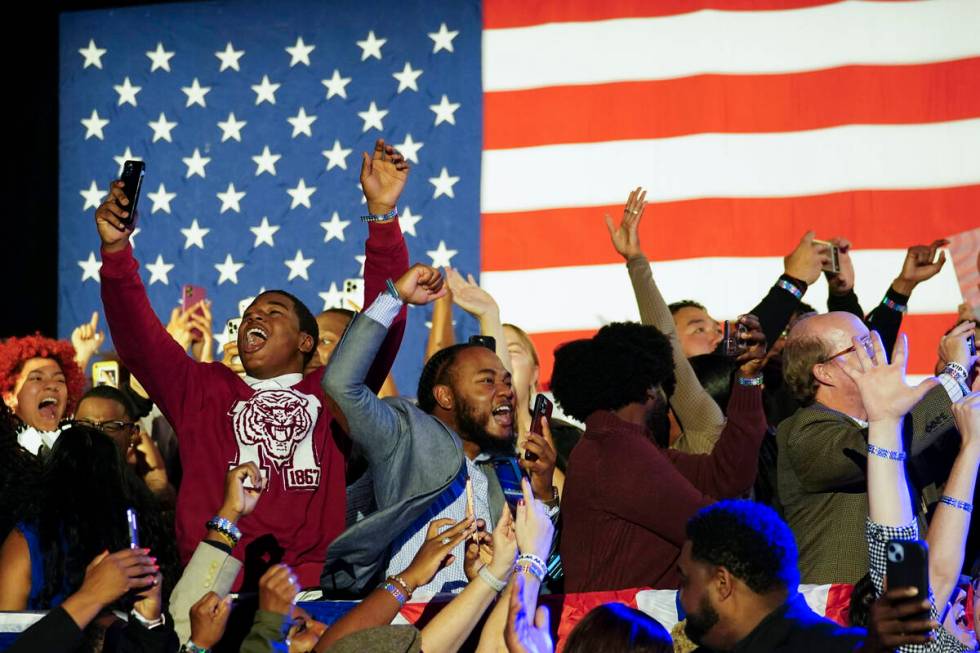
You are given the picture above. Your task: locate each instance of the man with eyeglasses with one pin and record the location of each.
(823, 447)
(112, 412)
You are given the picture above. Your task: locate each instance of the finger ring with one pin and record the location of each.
(445, 540)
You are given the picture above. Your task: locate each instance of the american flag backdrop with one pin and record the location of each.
(750, 121)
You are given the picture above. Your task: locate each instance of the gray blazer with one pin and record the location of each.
(412, 455)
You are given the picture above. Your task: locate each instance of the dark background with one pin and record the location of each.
(30, 147)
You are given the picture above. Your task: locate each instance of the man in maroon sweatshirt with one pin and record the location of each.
(276, 417)
(626, 501)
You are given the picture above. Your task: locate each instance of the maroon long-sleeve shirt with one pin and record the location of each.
(221, 421)
(626, 502)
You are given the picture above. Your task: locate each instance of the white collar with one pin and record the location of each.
(32, 439)
(281, 382)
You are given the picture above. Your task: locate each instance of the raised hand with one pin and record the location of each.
(541, 469)
(150, 603)
(919, 265)
(806, 260)
(278, 588)
(383, 177)
(479, 550)
(841, 283)
(533, 527)
(504, 547)
(243, 487)
(110, 575)
(891, 625)
(625, 238)
(468, 295)
(967, 414)
(754, 356)
(114, 234)
(524, 634)
(305, 632)
(884, 391)
(209, 616)
(87, 339)
(436, 551)
(954, 347)
(420, 285)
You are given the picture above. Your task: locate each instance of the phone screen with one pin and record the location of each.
(134, 530)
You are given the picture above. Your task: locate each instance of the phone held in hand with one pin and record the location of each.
(731, 344)
(134, 529)
(189, 296)
(231, 329)
(543, 408)
(833, 252)
(132, 178)
(105, 373)
(353, 294)
(908, 566)
(971, 343)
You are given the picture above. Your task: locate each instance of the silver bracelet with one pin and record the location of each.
(374, 217)
(495, 583)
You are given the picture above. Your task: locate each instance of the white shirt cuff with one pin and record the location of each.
(384, 309)
(952, 386)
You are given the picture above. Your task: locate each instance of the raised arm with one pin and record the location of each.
(951, 523)
(700, 417)
(383, 177)
(441, 335)
(170, 377)
(730, 469)
(476, 301)
(371, 422)
(801, 268)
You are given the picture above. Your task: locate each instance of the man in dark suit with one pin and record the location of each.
(822, 458)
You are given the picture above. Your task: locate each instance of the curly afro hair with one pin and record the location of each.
(14, 352)
(749, 540)
(617, 367)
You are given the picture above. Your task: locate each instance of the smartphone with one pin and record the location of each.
(132, 178)
(134, 529)
(105, 373)
(509, 474)
(231, 329)
(484, 341)
(908, 566)
(971, 343)
(731, 344)
(833, 265)
(189, 296)
(354, 294)
(543, 408)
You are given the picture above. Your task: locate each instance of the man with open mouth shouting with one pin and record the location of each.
(445, 459)
(276, 417)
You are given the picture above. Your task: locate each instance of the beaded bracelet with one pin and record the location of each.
(755, 380)
(532, 564)
(225, 527)
(895, 306)
(395, 591)
(790, 288)
(956, 503)
(886, 453)
(495, 583)
(372, 217)
(401, 581)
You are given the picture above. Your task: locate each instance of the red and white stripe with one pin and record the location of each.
(749, 121)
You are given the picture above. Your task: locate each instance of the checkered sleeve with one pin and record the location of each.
(878, 536)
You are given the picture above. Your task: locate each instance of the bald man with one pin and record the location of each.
(822, 460)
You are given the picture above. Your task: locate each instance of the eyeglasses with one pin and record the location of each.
(865, 342)
(110, 427)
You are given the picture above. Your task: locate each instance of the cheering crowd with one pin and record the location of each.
(731, 461)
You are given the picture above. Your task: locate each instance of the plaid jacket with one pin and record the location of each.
(822, 484)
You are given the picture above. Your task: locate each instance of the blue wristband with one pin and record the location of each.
(956, 503)
(895, 306)
(887, 453)
(755, 380)
(790, 288)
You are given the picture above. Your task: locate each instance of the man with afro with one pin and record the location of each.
(627, 498)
